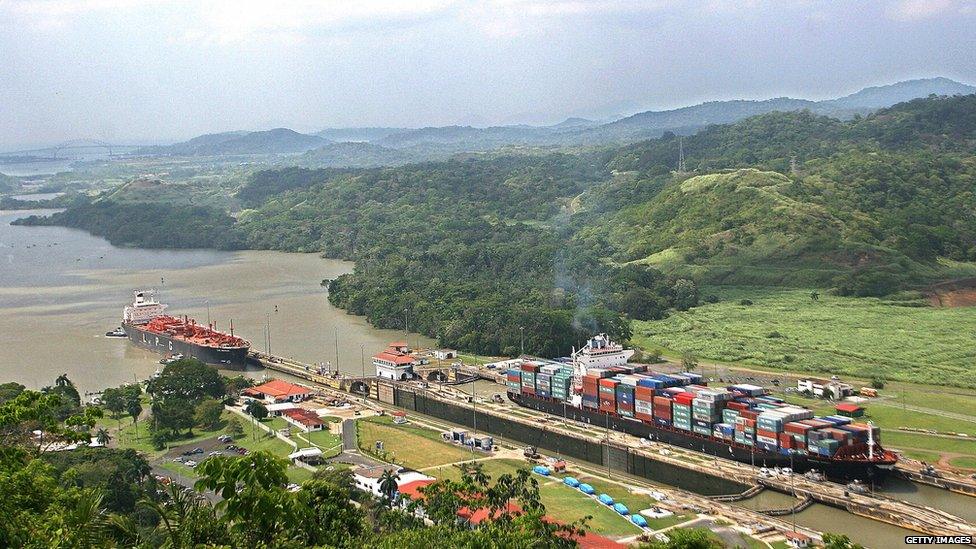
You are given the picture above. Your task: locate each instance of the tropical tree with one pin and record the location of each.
(102, 436)
(474, 472)
(207, 413)
(389, 486)
(134, 409)
(256, 410)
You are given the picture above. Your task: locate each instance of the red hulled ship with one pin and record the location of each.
(146, 325)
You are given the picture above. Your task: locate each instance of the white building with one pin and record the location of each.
(394, 364)
(824, 389)
(367, 479)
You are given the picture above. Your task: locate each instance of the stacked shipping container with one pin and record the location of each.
(740, 413)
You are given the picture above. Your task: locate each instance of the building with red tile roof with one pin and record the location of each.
(305, 420)
(278, 390)
(394, 364)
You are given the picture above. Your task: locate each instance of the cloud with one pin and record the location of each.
(914, 10)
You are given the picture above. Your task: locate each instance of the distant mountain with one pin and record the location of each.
(468, 138)
(276, 141)
(393, 146)
(358, 134)
(878, 97)
(688, 119)
(357, 155)
(8, 183)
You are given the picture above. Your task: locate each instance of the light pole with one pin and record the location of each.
(522, 338)
(793, 489)
(362, 357)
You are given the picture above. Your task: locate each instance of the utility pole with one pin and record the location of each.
(474, 415)
(362, 357)
(607, 414)
(522, 338)
(337, 347)
(269, 332)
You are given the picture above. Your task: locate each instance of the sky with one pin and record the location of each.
(157, 70)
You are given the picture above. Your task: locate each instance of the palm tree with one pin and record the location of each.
(388, 485)
(102, 436)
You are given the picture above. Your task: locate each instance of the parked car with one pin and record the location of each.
(197, 450)
(179, 459)
(216, 453)
(191, 464)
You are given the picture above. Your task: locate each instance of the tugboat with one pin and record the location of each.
(118, 332)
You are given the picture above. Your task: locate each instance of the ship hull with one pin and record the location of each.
(833, 469)
(224, 357)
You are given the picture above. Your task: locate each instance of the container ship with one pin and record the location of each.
(743, 422)
(145, 325)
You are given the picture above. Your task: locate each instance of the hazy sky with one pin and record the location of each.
(129, 69)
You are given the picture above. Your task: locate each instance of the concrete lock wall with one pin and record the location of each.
(621, 459)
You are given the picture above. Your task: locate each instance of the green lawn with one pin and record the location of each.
(330, 444)
(969, 462)
(860, 337)
(127, 437)
(569, 505)
(494, 468)
(262, 441)
(929, 444)
(634, 502)
(408, 445)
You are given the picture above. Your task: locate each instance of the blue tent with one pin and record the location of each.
(539, 469)
(638, 520)
(586, 489)
(605, 499)
(621, 508)
(571, 482)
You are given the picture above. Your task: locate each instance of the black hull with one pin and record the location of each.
(224, 357)
(833, 469)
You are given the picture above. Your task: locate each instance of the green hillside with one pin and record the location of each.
(869, 206)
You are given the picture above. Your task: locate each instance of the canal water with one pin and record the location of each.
(62, 289)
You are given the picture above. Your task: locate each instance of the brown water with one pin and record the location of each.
(62, 289)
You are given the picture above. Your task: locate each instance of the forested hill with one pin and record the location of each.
(867, 205)
(567, 244)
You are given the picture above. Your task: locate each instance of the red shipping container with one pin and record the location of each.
(608, 382)
(796, 428)
(644, 417)
(684, 398)
(528, 390)
(627, 407)
(663, 401)
(749, 414)
(643, 393)
(765, 433)
(815, 423)
(737, 405)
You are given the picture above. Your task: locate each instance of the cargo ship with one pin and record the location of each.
(145, 325)
(596, 385)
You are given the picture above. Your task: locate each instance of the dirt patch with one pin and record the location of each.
(953, 293)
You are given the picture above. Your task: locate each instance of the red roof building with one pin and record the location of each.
(394, 364)
(277, 390)
(412, 489)
(307, 420)
(849, 409)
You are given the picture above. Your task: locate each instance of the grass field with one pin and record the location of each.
(560, 501)
(786, 329)
(412, 446)
(128, 438)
